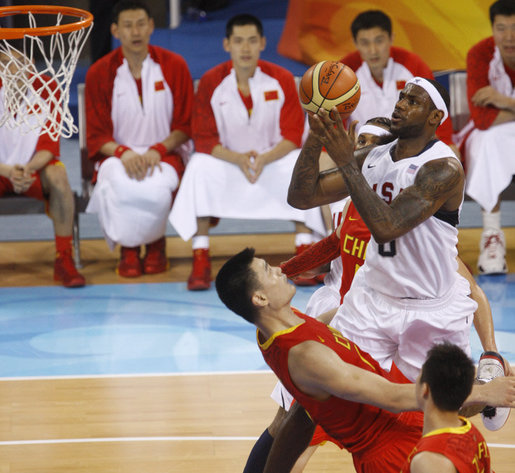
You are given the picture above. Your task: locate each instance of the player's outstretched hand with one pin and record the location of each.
(500, 392)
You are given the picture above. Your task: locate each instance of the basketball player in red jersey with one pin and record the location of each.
(329, 375)
(139, 100)
(354, 235)
(490, 134)
(30, 166)
(347, 246)
(450, 443)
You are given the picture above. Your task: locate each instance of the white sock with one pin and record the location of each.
(303, 239)
(492, 220)
(201, 241)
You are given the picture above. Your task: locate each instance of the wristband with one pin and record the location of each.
(316, 255)
(120, 150)
(160, 148)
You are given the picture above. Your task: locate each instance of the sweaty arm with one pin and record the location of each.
(483, 321)
(438, 184)
(334, 377)
(310, 187)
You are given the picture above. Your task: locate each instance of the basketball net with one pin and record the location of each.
(29, 100)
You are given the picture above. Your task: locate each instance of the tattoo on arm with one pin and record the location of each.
(438, 183)
(304, 180)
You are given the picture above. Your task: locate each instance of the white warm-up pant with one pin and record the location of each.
(212, 187)
(490, 159)
(132, 212)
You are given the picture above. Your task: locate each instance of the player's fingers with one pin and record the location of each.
(352, 129)
(338, 119)
(325, 119)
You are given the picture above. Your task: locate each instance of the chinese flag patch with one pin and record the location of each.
(271, 95)
(159, 85)
(401, 84)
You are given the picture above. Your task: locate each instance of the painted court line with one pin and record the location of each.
(133, 375)
(160, 439)
(127, 439)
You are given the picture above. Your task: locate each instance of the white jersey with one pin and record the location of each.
(137, 124)
(422, 263)
(18, 142)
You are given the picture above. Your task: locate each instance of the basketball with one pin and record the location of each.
(330, 84)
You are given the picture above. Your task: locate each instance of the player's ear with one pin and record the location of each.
(424, 390)
(259, 299)
(435, 117)
(263, 43)
(226, 45)
(114, 30)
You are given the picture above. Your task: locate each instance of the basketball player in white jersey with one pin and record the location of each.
(489, 148)
(408, 294)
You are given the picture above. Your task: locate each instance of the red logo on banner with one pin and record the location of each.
(271, 95)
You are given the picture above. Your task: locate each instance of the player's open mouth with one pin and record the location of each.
(396, 117)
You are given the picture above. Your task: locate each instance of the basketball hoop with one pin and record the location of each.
(36, 95)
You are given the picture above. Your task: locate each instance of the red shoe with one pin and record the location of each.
(200, 277)
(129, 265)
(66, 272)
(298, 281)
(155, 257)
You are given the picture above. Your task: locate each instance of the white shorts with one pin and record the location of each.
(322, 300)
(490, 158)
(403, 330)
(131, 212)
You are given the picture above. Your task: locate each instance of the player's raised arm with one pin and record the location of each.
(310, 187)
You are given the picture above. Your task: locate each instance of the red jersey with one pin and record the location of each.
(354, 237)
(363, 427)
(464, 446)
(102, 80)
(479, 60)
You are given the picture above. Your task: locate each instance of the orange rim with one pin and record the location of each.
(85, 20)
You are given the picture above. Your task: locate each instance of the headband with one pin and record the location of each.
(373, 130)
(436, 97)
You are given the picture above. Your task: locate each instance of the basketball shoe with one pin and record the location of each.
(314, 281)
(66, 272)
(129, 265)
(155, 260)
(492, 256)
(492, 365)
(200, 277)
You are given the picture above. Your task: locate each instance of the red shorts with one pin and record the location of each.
(392, 446)
(320, 436)
(35, 190)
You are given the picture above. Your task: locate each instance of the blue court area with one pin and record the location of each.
(156, 328)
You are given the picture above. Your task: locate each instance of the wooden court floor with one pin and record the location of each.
(157, 424)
